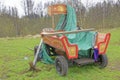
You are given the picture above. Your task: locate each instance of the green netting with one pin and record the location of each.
(84, 40)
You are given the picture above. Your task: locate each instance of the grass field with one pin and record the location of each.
(14, 59)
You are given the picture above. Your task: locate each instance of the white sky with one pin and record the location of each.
(17, 3)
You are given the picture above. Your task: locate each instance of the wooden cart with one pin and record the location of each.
(66, 52)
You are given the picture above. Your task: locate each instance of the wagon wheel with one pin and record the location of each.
(102, 60)
(61, 65)
(35, 50)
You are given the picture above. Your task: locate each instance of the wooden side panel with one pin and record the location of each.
(54, 42)
(62, 44)
(102, 42)
(71, 49)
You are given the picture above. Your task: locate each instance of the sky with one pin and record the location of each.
(17, 3)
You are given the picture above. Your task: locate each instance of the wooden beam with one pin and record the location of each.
(66, 32)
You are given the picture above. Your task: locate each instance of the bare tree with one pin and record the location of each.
(28, 7)
(0, 8)
(15, 19)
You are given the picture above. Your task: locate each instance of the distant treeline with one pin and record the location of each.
(99, 16)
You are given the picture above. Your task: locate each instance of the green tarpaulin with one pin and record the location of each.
(84, 40)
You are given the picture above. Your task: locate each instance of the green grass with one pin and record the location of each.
(14, 66)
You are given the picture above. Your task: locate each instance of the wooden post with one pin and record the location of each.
(69, 1)
(53, 22)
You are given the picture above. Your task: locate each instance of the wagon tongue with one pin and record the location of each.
(33, 64)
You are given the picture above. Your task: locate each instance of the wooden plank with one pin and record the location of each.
(66, 32)
(57, 9)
